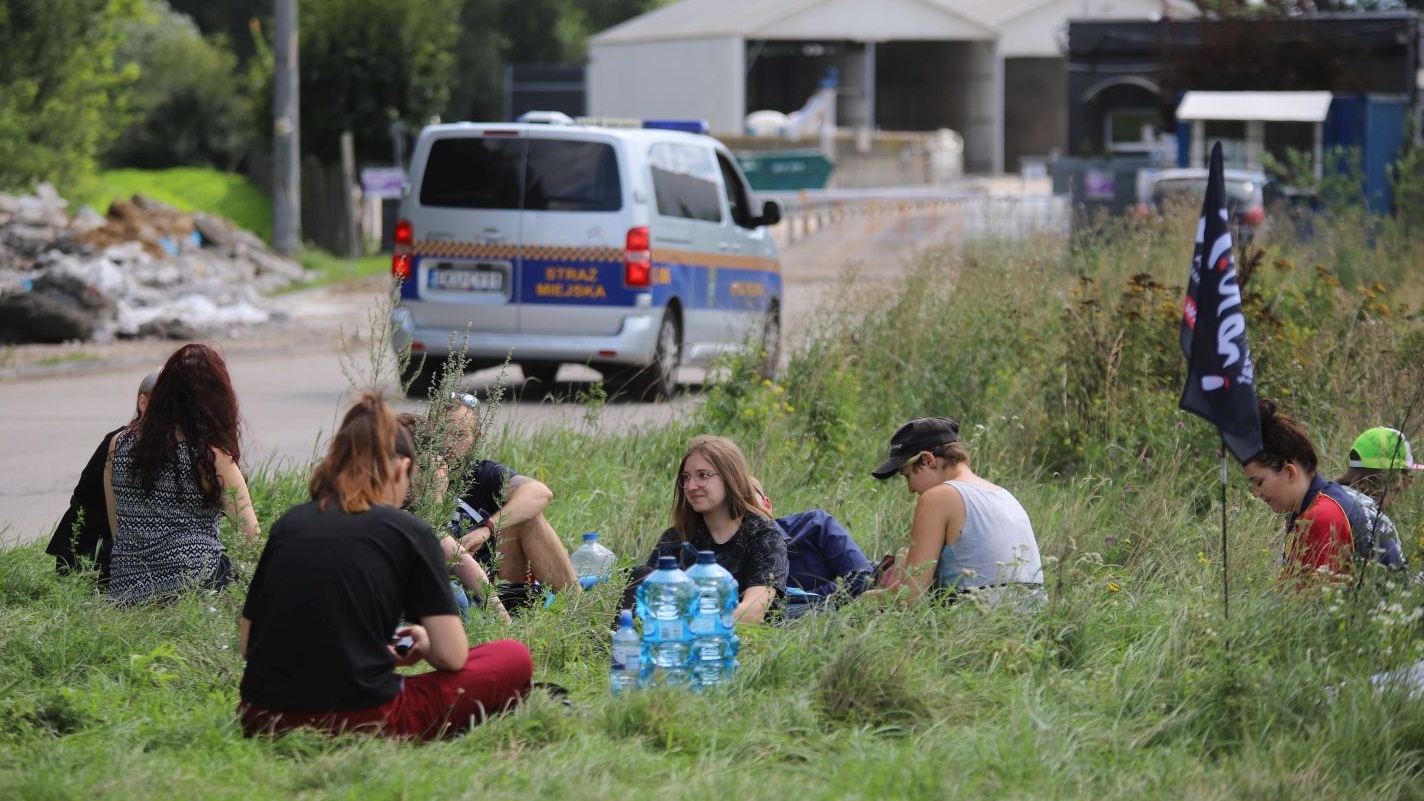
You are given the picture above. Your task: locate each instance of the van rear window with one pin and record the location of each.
(533, 174)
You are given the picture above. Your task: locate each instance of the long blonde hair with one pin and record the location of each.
(727, 460)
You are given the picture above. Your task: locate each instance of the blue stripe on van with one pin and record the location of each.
(549, 277)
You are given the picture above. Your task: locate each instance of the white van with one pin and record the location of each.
(629, 250)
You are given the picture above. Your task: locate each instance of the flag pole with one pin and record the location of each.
(1225, 594)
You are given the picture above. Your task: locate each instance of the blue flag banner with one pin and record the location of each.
(1221, 380)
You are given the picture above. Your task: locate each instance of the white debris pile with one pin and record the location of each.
(145, 270)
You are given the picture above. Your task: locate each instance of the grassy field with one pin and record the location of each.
(1132, 682)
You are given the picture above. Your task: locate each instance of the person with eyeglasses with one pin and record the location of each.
(171, 476)
(967, 535)
(501, 514)
(715, 508)
(83, 530)
(320, 629)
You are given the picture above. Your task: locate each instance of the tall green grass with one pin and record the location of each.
(1131, 682)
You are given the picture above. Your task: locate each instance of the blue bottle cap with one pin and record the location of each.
(706, 557)
(590, 536)
(666, 562)
(625, 618)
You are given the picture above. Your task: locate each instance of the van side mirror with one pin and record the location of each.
(770, 213)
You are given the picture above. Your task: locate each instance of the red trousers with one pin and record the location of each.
(429, 705)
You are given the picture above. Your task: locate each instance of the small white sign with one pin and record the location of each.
(382, 182)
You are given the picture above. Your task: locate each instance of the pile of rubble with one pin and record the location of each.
(145, 270)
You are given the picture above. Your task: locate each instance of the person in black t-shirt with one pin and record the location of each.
(83, 530)
(715, 509)
(499, 501)
(329, 590)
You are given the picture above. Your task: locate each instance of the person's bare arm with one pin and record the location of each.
(754, 605)
(526, 499)
(444, 646)
(109, 488)
(244, 632)
(472, 576)
(236, 500)
(938, 520)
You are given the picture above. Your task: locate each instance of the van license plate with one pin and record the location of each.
(480, 278)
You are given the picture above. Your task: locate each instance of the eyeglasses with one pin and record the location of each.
(465, 399)
(700, 478)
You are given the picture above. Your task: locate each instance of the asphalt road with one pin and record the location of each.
(293, 381)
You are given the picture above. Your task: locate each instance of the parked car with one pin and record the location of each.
(1245, 195)
(631, 250)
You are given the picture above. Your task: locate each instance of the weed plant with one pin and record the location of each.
(1133, 680)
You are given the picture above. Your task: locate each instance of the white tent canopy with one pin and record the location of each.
(1259, 106)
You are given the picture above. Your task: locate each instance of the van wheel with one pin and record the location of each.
(771, 345)
(422, 373)
(658, 379)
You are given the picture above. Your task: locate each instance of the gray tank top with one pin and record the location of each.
(165, 541)
(997, 545)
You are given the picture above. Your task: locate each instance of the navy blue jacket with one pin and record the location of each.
(821, 552)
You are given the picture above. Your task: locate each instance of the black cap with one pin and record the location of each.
(923, 434)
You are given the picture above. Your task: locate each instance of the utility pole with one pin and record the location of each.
(286, 133)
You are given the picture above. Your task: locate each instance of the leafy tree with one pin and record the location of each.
(62, 98)
(525, 32)
(604, 14)
(366, 64)
(230, 19)
(478, 88)
(189, 103)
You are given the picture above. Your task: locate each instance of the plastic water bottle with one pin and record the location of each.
(592, 562)
(627, 655)
(665, 600)
(714, 643)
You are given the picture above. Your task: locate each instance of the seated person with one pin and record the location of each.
(1381, 468)
(967, 535)
(330, 589)
(527, 554)
(171, 477)
(823, 558)
(715, 509)
(1321, 517)
(471, 575)
(83, 530)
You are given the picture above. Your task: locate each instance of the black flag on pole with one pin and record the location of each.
(1221, 381)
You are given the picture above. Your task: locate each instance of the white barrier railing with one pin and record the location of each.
(916, 214)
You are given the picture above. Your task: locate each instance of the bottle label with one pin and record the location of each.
(670, 630)
(625, 657)
(705, 624)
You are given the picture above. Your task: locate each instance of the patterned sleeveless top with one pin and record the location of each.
(166, 541)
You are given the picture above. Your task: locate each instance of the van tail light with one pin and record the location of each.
(1253, 216)
(400, 258)
(638, 259)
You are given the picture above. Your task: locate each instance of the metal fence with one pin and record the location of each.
(917, 214)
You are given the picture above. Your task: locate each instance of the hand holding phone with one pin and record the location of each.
(881, 568)
(402, 644)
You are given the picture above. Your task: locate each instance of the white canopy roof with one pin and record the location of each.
(1263, 106)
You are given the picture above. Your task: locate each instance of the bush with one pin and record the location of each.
(189, 105)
